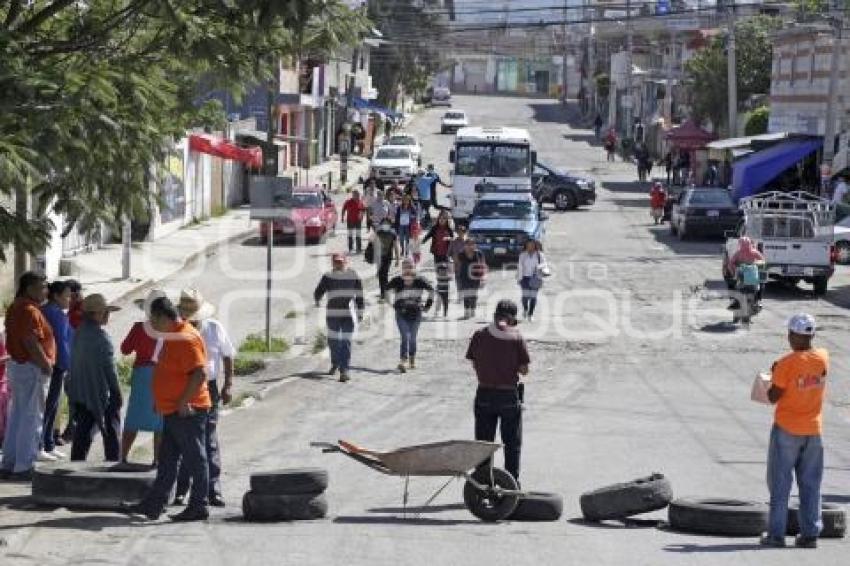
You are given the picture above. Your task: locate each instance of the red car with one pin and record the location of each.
(313, 217)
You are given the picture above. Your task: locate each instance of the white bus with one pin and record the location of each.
(501, 157)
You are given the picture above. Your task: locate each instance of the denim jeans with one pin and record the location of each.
(51, 408)
(529, 296)
(26, 416)
(182, 437)
(408, 328)
(802, 456)
(354, 236)
(500, 408)
(404, 239)
(184, 477)
(340, 332)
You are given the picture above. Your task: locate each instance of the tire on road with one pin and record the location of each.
(730, 517)
(293, 481)
(487, 507)
(538, 506)
(84, 486)
(260, 507)
(834, 520)
(626, 499)
(820, 285)
(564, 199)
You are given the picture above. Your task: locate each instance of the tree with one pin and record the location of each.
(91, 92)
(707, 70)
(410, 53)
(757, 121)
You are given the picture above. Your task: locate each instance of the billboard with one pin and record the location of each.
(271, 197)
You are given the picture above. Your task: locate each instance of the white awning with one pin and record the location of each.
(735, 143)
(258, 135)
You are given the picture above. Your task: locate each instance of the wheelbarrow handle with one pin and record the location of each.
(326, 447)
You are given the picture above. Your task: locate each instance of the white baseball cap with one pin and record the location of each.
(803, 324)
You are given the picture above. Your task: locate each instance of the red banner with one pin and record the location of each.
(252, 156)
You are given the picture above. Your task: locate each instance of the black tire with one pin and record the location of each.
(487, 506)
(730, 283)
(682, 232)
(84, 486)
(258, 507)
(730, 517)
(626, 499)
(564, 199)
(295, 481)
(834, 520)
(820, 284)
(537, 506)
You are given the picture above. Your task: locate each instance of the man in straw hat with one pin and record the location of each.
(182, 397)
(342, 286)
(220, 354)
(93, 388)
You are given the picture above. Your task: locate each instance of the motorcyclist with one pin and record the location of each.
(657, 201)
(744, 263)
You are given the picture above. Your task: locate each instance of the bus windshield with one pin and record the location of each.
(487, 160)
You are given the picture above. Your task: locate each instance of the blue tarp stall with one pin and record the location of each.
(753, 172)
(362, 104)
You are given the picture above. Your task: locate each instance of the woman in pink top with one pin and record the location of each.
(5, 394)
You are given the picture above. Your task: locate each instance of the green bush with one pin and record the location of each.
(320, 342)
(256, 344)
(124, 366)
(757, 122)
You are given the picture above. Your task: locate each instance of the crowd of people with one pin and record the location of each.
(55, 341)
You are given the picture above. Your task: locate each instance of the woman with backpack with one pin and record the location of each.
(531, 268)
(408, 301)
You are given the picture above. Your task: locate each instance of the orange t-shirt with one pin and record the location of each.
(802, 377)
(182, 353)
(24, 319)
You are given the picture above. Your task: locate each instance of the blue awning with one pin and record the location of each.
(755, 171)
(362, 104)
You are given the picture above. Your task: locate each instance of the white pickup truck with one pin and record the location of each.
(794, 231)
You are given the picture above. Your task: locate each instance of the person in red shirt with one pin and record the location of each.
(657, 200)
(353, 211)
(75, 311)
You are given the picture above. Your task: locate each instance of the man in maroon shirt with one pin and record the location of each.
(499, 356)
(353, 211)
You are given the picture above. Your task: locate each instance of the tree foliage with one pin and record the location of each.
(757, 121)
(754, 57)
(91, 93)
(410, 53)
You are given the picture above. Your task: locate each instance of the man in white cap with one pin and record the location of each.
(93, 388)
(220, 353)
(798, 382)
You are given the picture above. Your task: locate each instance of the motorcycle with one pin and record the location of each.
(748, 284)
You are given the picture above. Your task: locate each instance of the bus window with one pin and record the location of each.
(510, 161)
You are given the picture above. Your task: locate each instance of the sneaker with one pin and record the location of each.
(806, 542)
(46, 457)
(412, 363)
(217, 501)
(343, 376)
(139, 509)
(191, 514)
(402, 366)
(775, 542)
(59, 455)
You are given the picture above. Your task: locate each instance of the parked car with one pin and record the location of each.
(312, 217)
(393, 163)
(441, 96)
(708, 211)
(562, 188)
(409, 141)
(453, 120)
(842, 241)
(501, 223)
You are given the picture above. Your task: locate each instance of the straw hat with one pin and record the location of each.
(192, 305)
(97, 303)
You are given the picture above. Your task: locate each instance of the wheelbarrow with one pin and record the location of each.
(491, 494)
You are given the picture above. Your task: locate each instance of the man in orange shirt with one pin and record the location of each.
(182, 397)
(29, 340)
(797, 389)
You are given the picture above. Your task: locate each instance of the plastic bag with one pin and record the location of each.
(761, 385)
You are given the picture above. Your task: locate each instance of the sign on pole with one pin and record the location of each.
(271, 197)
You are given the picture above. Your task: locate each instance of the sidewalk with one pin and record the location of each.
(100, 271)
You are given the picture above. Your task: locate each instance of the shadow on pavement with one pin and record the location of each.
(420, 510)
(555, 113)
(710, 548)
(279, 242)
(589, 139)
(629, 187)
(85, 522)
(618, 523)
(359, 369)
(413, 521)
(726, 327)
(706, 247)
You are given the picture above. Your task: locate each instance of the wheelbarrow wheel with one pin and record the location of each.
(487, 505)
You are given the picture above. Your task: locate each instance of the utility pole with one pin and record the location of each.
(832, 104)
(564, 68)
(345, 145)
(629, 103)
(731, 73)
(668, 91)
(270, 169)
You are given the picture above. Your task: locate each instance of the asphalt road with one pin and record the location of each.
(635, 369)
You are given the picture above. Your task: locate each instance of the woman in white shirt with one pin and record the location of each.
(529, 273)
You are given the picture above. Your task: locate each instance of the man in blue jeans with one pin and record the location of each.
(342, 286)
(797, 389)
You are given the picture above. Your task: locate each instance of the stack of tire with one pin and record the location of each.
(78, 485)
(296, 494)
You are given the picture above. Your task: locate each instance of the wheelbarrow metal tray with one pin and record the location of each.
(448, 458)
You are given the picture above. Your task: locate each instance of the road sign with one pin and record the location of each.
(271, 197)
